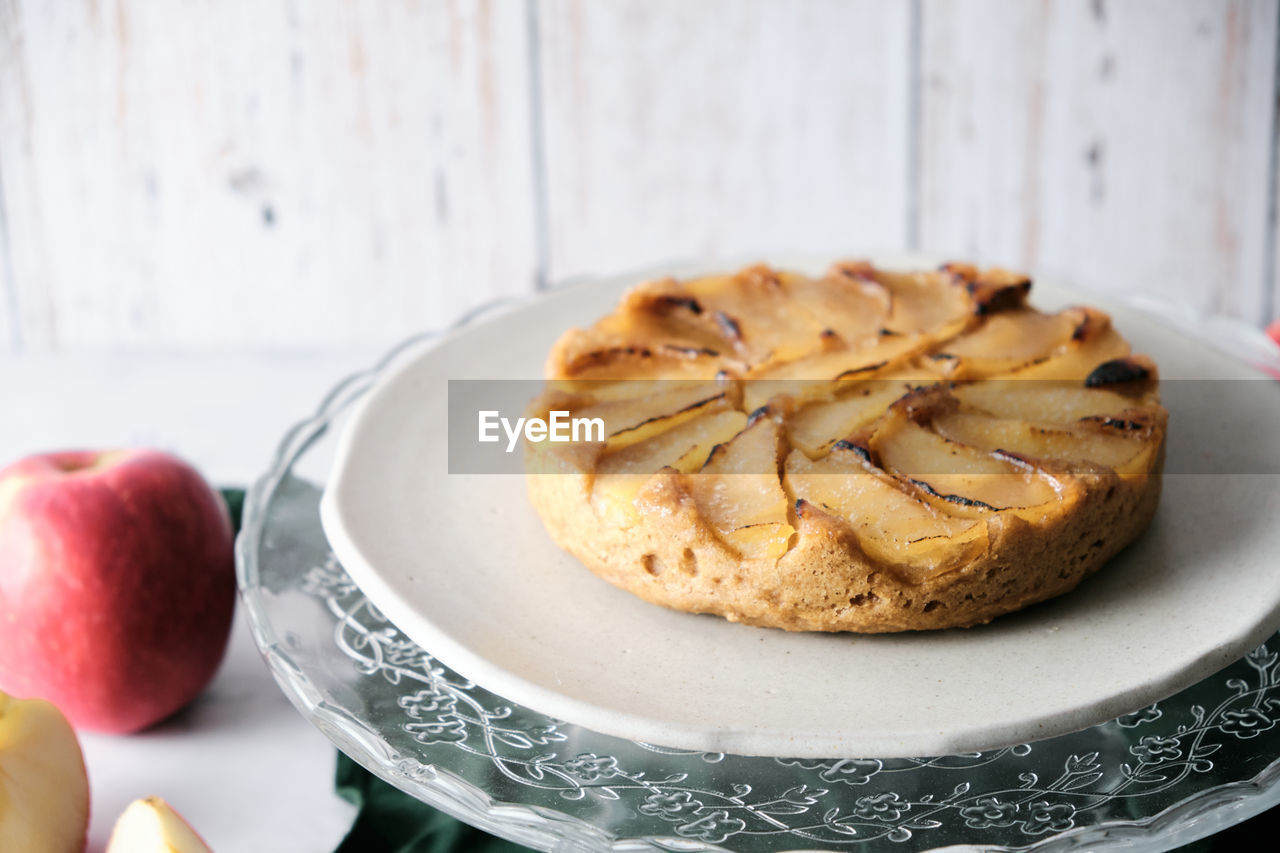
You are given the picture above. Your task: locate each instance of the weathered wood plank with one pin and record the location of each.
(300, 174)
(1121, 145)
(677, 129)
(262, 173)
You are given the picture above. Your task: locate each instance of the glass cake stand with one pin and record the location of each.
(1162, 776)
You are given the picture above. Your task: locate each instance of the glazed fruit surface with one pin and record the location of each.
(821, 449)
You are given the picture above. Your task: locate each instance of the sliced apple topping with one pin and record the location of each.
(662, 312)
(968, 480)
(658, 407)
(685, 446)
(851, 305)
(739, 493)
(1011, 341)
(1055, 402)
(687, 440)
(925, 302)
(1038, 441)
(669, 361)
(814, 428)
(660, 332)
(840, 362)
(993, 289)
(755, 315)
(914, 413)
(1093, 342)
(891, 525)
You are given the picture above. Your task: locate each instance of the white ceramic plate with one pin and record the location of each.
(462, 565)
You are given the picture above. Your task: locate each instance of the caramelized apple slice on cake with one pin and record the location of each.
(1038, 441)
(620, 475)
(815, 427)
(738, 492)
(892, 525)
(959, 478)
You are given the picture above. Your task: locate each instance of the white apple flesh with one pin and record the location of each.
(151, 825)
(44, 792)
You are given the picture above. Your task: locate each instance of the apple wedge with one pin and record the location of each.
(658, 312)
(754, 314)
(739, 494)
(961, 479)
(1039, 441)
(151, 825)
(1026, 344)
(850, 304)
(664, 362)
(628, 422)
(685, 447)
(1093, 342)
(44, 792)
(658, 333)
(893, 526)
(818, 373)
(928, 303)
(814, 428)
(1010, 341)
(991, 290)
(1049, 401)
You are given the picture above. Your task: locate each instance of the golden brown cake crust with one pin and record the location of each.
(810, 558)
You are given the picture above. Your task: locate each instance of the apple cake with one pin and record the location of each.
(867, 450)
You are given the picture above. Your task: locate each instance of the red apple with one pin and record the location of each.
(117, 584)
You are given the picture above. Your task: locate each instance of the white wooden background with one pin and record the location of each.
(310, 173)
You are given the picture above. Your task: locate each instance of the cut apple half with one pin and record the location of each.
(44, 792)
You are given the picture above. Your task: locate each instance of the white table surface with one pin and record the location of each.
(239, 763)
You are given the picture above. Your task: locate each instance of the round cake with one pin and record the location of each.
(867, 450)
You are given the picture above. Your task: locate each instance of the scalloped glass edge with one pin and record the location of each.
(1192, 818)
